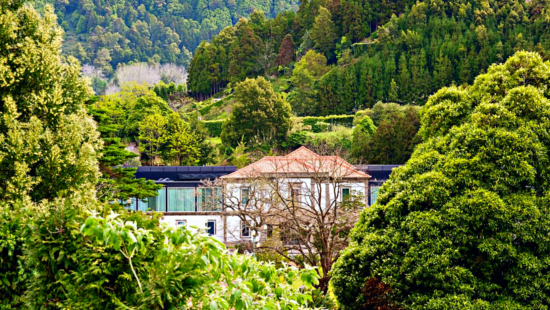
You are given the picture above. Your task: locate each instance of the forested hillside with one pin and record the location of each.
(106, 33)
(376, 50)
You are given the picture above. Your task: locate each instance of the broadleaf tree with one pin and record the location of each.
(466, 222)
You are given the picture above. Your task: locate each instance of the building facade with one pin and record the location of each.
(210, 197)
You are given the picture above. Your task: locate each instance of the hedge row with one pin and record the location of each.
(344, 120)
(214, 127)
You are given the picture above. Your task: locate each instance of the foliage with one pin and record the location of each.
(320, 127)
(117, 182)
(181, 146)
(344, 120)
(48, 144)
(394, 140)
(258, 115)
(297, 138)
(309, 69)
(110, 260)
(214, 127)
(109, 33)
(322, 33)
(152, 135)
(464, 224)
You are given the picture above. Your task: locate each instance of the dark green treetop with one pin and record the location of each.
(466, 222)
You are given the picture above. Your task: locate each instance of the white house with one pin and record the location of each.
(213, 197)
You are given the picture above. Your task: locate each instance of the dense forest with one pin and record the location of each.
(106, 33)
(377, 50)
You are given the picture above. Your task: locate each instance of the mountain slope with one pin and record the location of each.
(111, 32)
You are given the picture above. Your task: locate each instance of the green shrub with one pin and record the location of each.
(320, 127)
(297, 138)
(214, 127)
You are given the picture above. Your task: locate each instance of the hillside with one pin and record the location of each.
(106, 33)
(401, 55)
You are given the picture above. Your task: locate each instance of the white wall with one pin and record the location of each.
(233, 233)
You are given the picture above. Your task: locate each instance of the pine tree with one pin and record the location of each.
(404, 80)
(322, 33)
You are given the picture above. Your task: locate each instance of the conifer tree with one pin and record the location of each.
(322, 33)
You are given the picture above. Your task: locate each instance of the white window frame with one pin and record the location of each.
(215, 227)
(342, 192)
(248, 195)
(198, 191)
(243, 226)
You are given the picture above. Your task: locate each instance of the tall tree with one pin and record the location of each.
(152, 135)
(322, 33)
(117, 183)
(455, 227)
(286, 51)
(48, 144)
(181, 145)
(310, 68)
(259, 115)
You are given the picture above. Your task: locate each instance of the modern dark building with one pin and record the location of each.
(181, 192)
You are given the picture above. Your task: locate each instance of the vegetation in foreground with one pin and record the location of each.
(60, 247)
(465, 223)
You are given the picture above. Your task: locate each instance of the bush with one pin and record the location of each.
(320, 127)
(214, 127)
(120, 259)
(297, 138)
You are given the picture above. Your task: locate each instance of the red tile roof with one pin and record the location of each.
(301, 161)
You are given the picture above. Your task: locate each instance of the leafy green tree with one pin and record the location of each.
(310, 68)
(181, 145)
(152, 135)
(48, 144)
(457, 226)
(259, 115)
(322, 33)
(117, 182)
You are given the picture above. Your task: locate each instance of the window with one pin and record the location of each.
(245, 230)
(181, 223)
(345, 193)
(244, 195)
(295, 195)
(181, 199)
(211, 227)
(373, 194)
(143, 204)
(209, 199)
(157, 203)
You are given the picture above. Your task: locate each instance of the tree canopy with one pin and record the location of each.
(465, 223)
(48, 144)
(108, 33)
(259, 114)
